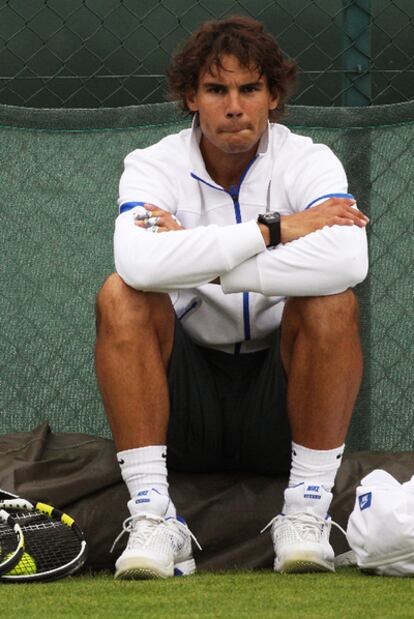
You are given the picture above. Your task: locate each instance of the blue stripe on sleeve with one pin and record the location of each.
(127, 206)
(331, 195)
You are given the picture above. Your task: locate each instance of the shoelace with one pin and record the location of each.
(174, 522)
(152, 520)
(305, 521)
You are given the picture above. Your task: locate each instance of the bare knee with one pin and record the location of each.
(324, 317)
(120, 307)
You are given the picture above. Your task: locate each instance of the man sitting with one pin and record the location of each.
(229, 333)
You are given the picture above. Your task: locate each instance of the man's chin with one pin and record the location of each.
(235, 147)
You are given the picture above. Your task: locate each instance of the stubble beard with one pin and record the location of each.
(236, 148)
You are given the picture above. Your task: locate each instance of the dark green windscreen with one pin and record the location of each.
(59, 172)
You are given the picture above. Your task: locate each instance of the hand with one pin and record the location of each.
(158, 220)
(333, 212)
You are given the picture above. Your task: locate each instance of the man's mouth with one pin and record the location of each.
(233, 129)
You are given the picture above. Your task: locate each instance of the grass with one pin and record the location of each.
(346, 594)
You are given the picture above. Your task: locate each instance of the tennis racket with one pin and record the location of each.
(54, 545)
(11, 542)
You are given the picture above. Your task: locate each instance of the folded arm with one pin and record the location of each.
(327, 261)
(181, 258)
(324, 244)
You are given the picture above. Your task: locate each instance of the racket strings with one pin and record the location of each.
(8, 541)
(49, 542)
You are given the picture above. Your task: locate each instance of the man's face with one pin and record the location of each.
(233, 104)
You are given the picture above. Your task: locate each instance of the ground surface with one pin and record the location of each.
(346, 594)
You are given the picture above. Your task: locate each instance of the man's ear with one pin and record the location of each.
(191, 100)
(273, 101)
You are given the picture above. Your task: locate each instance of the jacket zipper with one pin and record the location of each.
(234, 194)
(246, 311)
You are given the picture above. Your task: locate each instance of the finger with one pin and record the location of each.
(360, 214)
(160, 226)
(145, 224)
(156, 213)
(177, 221)
(337, 201)
(153, 221)
(141, 216)
(153, 210)
(148, 210)
(356, 215)
(168, 221)
(348, 212)
(340, 221)
(150, 222)
(146, 215)
(344, 220)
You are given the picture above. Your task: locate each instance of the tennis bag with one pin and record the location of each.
(380, 528)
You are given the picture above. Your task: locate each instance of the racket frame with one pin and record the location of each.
(16, 503)
(15, 556)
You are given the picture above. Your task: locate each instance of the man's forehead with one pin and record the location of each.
(228, 68)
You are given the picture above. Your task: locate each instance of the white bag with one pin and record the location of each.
(381, 526)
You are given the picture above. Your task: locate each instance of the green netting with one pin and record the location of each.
(92, 53)
(59, 172)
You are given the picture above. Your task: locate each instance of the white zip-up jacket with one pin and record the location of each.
(289, 174)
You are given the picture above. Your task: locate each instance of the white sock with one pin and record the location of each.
(315, 465)
(144, 468)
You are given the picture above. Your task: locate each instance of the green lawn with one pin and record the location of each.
(344, 595)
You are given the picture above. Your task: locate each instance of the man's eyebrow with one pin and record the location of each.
(212, 84)
(257, 84)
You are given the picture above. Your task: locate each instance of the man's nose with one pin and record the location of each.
(234, 109)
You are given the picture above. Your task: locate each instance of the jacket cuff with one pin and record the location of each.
(240, 242)
(244, 277)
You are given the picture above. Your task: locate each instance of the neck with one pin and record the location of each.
(225, 169)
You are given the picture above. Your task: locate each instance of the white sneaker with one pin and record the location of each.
(301, 536)
(159, 546)
(301, 543)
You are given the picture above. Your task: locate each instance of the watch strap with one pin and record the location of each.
(272, 221)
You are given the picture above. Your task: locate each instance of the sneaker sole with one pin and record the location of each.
(302, 563)
(146, 570)
(142, 568)
(303, 566)
(140, 573)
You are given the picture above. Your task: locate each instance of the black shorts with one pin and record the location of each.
(228, 412)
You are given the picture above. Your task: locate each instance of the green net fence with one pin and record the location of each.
(59, 172)
(92, 53)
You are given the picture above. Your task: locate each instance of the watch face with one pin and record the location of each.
(270, 218)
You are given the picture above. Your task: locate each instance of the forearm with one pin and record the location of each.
(322, 263)
(183, 258)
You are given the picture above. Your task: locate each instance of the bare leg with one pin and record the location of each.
(133, 347)
(321, 353)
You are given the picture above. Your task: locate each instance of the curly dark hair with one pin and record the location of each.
(242, 37)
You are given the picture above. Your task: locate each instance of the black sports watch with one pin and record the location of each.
(272, 221)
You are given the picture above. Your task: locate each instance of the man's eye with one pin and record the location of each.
(250, 88)
(215, 89)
